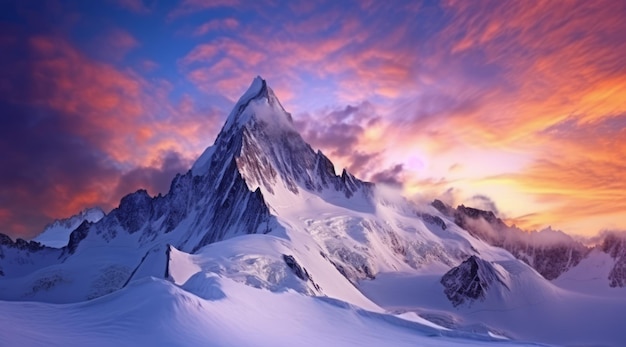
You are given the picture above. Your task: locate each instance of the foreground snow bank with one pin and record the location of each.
(223, 313)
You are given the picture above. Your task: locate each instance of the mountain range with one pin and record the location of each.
(263, 242)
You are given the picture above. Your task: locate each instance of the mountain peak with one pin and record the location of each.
(259, 137)
(253, 105)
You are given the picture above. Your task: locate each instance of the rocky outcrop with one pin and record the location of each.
(471, 281)
(299, 271)
(19, 244)
(76, 237)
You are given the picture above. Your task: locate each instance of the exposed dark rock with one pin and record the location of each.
(615, 245)
(475, 213)
(299, 271)
(5, 240)
(134, 210)
(93, 215)
(550, 260)
(223, 197)
(76, 236)
(132, 273)
(31, 246)
(617, 276)
(295, 267)
(339, 267)
(470, 281)
(436, 220)
(46, 283)
(442, 207)
(168, 250)
(396, 246)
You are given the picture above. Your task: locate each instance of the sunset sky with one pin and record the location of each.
(514, 106)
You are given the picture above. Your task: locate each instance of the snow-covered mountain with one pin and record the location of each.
(261, 229)
(57, 233)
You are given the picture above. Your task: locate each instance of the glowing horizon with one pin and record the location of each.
(512, 106)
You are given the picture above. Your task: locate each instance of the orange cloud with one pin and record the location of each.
(115, 110)
(558, 59)
(566, 81)
(580, 176)
(96, 132)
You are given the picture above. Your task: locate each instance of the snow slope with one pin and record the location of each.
(591, 276)
(209, 310)
(538, 311)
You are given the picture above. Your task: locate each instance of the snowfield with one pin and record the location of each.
(554, 316)
(211, 310)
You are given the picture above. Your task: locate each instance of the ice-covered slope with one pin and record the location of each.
(57, 233)
(209, 310)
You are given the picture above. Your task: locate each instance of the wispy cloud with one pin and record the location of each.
(217, 24)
